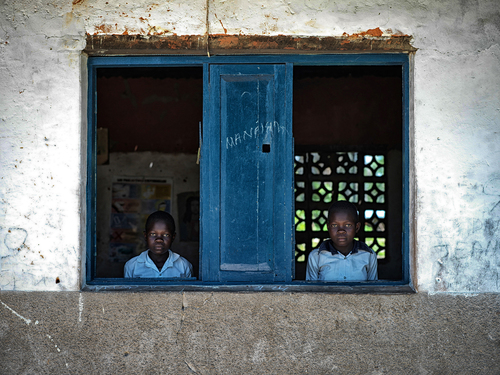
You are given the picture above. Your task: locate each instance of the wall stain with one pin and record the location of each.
(370, 32)
(104, 29)
(225, 30)
(490, 227)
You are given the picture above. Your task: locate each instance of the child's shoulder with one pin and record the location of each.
(140, 257)
(182, 264)
(176, 257)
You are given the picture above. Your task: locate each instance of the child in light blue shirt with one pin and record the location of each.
(158, 260)
(342, 258)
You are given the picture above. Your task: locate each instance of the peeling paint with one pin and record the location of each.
(371, 32)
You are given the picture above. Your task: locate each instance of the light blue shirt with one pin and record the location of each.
(143, 266)
(327, 264)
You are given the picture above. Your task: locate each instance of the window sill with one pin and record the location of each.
(148, 285)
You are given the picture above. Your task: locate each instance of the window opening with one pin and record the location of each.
(148, 138)
(348, 127)
(348, 137)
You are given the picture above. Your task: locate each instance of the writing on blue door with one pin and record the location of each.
(262, 130)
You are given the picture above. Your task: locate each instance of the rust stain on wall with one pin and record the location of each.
(156, 30)
(104, 29)
(225, 30)
(155, 42)
(370, 32)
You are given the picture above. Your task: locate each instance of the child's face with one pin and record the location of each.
(159, 238)
(342, 229)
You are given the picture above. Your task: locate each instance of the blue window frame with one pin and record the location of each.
(247, 172)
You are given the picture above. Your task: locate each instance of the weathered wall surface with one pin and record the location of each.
(40, 146)
(257, 333)
(456, 115)
(456, 175)
(457, 151)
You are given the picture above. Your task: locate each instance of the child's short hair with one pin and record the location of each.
(161, 216)
(344, 206)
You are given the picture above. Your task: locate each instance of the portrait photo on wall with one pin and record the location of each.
(189, 216)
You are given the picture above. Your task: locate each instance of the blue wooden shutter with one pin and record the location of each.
(248, 226)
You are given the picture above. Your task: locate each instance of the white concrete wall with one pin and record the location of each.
(456, 127)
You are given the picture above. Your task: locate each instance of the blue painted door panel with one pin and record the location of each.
(246, 172)
(249, 130)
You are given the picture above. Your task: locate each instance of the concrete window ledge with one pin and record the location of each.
(299, 287)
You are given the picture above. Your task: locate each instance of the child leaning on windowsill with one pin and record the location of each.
(158, 260)
(342, 258)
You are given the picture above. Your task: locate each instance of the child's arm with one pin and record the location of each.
(189, 272)
(372, 270)
(312, 271)
(128, 270)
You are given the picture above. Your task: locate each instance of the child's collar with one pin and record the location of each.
(328, 246)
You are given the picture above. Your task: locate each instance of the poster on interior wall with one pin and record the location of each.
(133, 199)
(189, 216)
